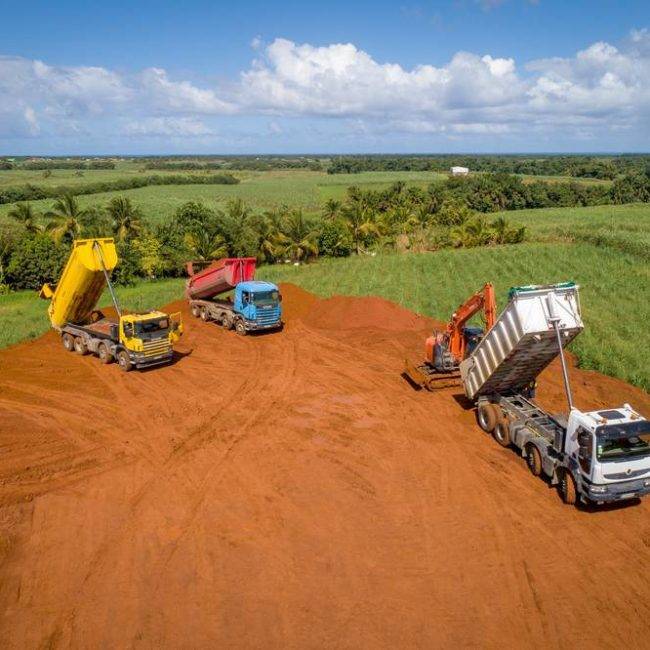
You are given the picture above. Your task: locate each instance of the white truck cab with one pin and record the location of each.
(608, 452)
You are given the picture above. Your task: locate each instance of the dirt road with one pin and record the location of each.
(292, 491)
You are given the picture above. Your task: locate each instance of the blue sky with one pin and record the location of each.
(206, 77)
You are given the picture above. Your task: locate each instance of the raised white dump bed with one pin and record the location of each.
(523, 340)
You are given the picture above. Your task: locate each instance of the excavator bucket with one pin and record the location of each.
(425, 376)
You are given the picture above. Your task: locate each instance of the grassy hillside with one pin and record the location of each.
(613, 295)
(623, 227)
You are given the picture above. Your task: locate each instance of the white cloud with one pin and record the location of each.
(32, 122)
(602, 88)
(167, 126)
(343, 80)
(179, 96)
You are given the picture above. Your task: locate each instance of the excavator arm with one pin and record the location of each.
(482, 301)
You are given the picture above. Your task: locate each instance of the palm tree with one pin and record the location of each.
(331, 209)
(127, 218)
(237, 210)
(67, 218)
(24, 213)
(475, 232)
(360, 221)
(206, 244)
(267, 227)
(297, 240)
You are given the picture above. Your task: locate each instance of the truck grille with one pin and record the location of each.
(267, 316)
(156, 347)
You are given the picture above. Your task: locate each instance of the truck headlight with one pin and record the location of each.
(646, 483)
(598, 489)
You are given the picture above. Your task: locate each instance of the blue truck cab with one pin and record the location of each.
(258, 303)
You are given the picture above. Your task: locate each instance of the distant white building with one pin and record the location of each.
(459, 171)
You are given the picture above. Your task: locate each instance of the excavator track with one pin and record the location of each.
(425, 376)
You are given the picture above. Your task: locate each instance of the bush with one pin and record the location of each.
(35, 260)
(128, 268)
(334, 240)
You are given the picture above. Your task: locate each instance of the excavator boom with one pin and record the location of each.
(483, 300)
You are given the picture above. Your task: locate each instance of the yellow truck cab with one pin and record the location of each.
(133, 340)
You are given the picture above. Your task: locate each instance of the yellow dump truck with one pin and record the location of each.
(134, 340)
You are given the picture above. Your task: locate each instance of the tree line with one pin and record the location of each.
(397, 218)
(30, 192)
(256, 163)
(601, 167)
(57, 163)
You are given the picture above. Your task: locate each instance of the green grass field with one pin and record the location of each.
(261, 190)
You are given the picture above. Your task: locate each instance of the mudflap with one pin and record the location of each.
(425, 376)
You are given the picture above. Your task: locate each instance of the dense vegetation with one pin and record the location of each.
(397, 218)
(30, 192)
(57, 163)
(494, 192)
(602, 167)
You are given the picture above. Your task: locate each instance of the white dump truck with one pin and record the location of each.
(593, 457)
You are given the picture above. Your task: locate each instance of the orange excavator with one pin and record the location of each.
(445, 350)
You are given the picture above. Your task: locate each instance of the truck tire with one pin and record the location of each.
(104, 353)
(533, 459)
(196, 311)
(80, 346)
(501, 431)
(486, 415)
(68, 342)
(226, 322)
(240, 327)
(567, 487)
(205, 315)
(124, 360)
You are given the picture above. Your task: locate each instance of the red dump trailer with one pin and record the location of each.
(217, 278)
(254, 306)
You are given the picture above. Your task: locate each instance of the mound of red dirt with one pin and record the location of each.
(291, 490)
(344, 312)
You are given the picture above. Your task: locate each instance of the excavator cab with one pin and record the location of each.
(473, 336)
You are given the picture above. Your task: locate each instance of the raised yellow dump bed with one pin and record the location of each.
(82, 282)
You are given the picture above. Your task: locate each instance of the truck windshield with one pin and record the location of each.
(262, 298)
(623, 441)
(152, 326)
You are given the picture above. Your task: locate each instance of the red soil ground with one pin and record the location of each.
(290, 490)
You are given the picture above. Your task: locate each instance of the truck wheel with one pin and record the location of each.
(196, 311)
(104, 354)
(124, 361)
(240, 328)
(568, 490)
(68, 342)
(501, 431)
(205, 316)
(80, 346)
(533, 459)
(486, 414)
(226, 322)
